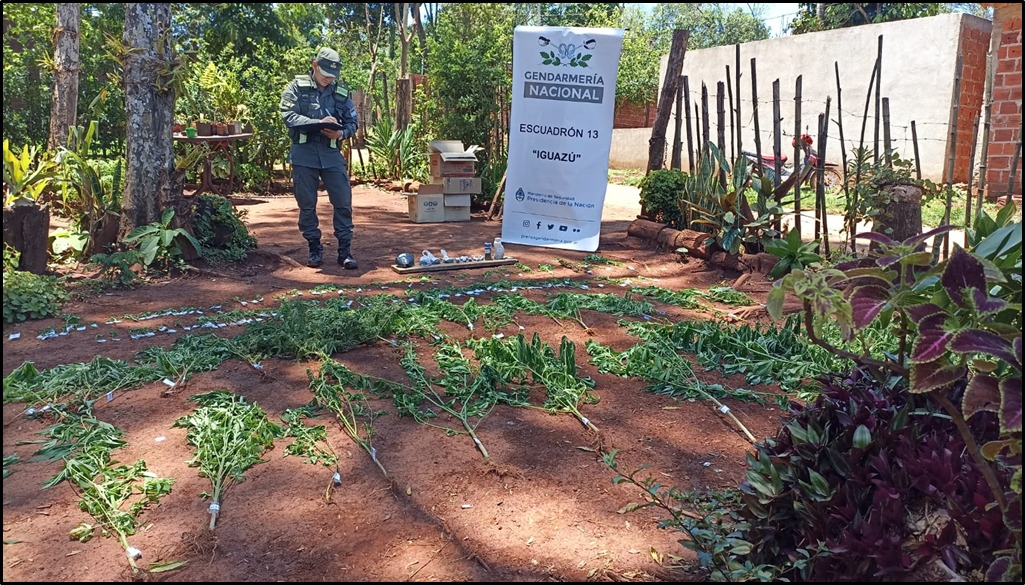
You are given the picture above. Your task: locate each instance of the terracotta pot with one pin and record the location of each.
(222, 129)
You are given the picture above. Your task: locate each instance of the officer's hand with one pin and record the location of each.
(331, 134)
(329, 119)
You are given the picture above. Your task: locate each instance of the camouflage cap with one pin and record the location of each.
(329, 61)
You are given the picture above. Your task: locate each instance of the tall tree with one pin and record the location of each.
(235, 26)
(27, 30)
(469, 76)
(421, 34)
(818, 16)
(711, 25)
(373, 34)
(64, 94)
(151, 183)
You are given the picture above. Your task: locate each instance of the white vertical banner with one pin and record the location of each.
(560, 134)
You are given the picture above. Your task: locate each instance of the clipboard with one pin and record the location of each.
(307, 128)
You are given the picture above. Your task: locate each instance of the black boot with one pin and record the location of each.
(346, 260)
(316, 254)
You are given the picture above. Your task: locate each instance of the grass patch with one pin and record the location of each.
(932, 209)
(629, 177)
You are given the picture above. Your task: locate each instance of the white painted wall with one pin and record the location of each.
(918, 74)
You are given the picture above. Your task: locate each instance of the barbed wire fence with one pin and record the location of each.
(877, 134)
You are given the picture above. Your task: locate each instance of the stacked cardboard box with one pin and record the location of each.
(453, 183)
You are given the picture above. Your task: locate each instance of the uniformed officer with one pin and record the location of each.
(315, 155)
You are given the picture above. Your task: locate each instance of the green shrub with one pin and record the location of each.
(660, 196)
(159, 244)
(31, 296)
(253, 177)
(220, 231)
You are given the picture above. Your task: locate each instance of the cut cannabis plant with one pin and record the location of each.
(85, 446)
(469, 404)
(331, 389)
(230, 436)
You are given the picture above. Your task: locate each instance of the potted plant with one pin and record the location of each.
(204, 127)
(27, 176)
(100, 198)
(887, 193)
(225, 93)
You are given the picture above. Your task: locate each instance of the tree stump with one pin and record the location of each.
(104, 234)
(27, 230)
(903, 215)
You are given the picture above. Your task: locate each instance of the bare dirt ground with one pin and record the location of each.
(543, 509)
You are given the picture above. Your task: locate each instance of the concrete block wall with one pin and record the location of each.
(919, 68)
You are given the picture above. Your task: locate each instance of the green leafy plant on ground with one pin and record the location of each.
(220, 229)
(958, 324)
(31, 296)
(118, 269)
(715, 531)
(331, 387)
(310, 442)
(85, 446)
(792, 254)
(864, 469)
(470, 404)
(396, 154)
(91, 187)
(27, 175)
(660, 197)
(230, 435)
(77, 381)
(161, 245)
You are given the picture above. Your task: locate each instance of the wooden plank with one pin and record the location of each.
(454, 265)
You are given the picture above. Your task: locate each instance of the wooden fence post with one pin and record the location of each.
(657, 144)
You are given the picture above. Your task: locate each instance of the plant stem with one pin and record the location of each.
(973, 450)
(863, 359)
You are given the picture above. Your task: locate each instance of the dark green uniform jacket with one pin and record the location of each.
(303, 103)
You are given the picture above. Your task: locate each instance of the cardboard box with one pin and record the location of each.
(426, 208)
(458, 185)
(448, 164)
(457, 213)
(450, 159)
(431, 189)
(457, 200)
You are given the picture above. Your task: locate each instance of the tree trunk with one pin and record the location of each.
(403, 103)
(150, 184)
(903, 216)
(27, 230)
(418, 26)
(657, 144)
(401, 10)
(64, 95)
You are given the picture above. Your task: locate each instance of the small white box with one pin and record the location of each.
(457, 213)
(457, 200)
